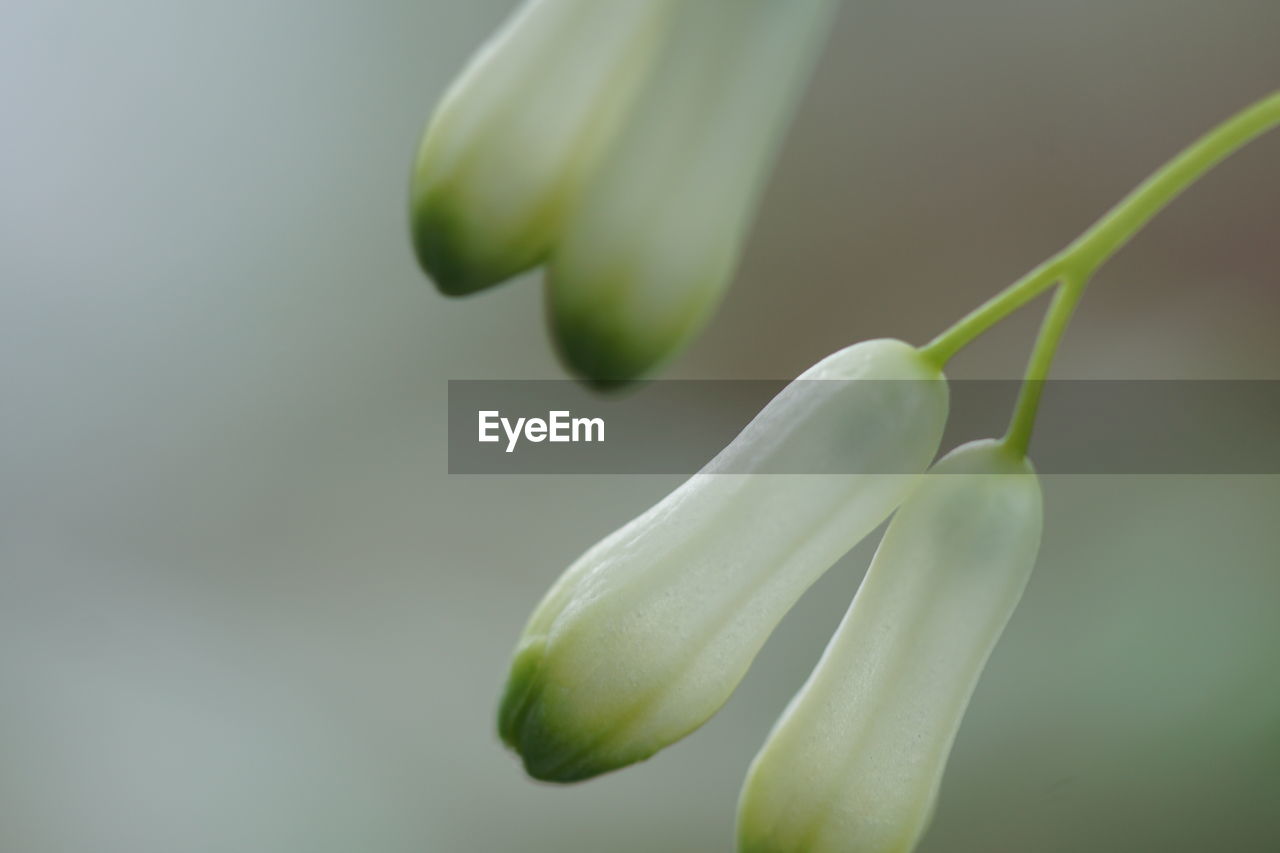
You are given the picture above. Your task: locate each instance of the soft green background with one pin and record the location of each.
(243, 608)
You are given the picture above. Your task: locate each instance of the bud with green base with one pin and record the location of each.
(648, 633)
(623, 144)
(854, 764)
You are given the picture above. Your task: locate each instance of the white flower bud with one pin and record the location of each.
(855, 763)
(513, 139)
(646, 635)
(622, 142)
(649, 250)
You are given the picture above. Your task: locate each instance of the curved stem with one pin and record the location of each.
(1106, 236)
(944, 346)
(1018, 438)
(1076, 264)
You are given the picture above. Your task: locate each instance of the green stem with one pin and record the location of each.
(1122, 222)
(976, 322)
(1106, 236)
(1018, 438)
(1075, 265)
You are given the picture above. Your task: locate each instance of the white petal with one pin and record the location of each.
(648, 251)
(515, 135)
(854, 764)
(646, 636)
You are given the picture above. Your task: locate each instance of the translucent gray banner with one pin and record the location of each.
(677, 427)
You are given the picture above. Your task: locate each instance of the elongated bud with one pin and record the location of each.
(648, 252)
(647, 634)
(515, 136)
(854, 764)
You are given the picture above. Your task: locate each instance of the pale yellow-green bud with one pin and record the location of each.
(514, 138)
(623, 144)
(647, 634)
(855, 763)
(649, 250)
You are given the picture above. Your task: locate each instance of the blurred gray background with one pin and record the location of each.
(244, 608)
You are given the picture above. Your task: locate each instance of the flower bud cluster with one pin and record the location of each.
(647, 635)
(621, 145)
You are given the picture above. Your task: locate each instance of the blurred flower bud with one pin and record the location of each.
(624, 144)
(649, 250)
(647, 634)
(855, 763)
(509, 146)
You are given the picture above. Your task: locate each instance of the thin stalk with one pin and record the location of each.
(976, 322)
(1093, 248)
(1075, 265)
(1106, 236)
(1018, 438)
